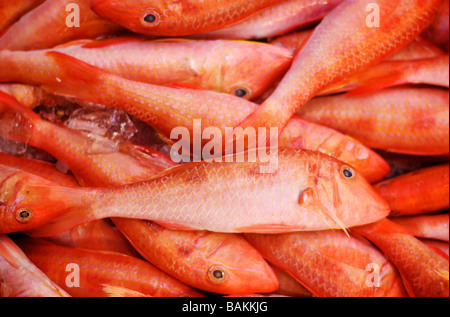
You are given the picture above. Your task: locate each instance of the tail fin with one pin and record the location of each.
(16, 121)
(77, 79)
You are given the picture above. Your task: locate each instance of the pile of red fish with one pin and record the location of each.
(102, 193)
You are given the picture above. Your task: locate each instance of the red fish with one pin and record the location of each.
(177, 17)
(402, 120)
(340, 47)
(424, 272)
(422, 191)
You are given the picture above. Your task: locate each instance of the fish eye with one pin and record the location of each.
(150, 19)
(242, 92)
(217, 274)
(24, 215)
(347, 172)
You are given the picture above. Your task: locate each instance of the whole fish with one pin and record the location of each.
(215, 262)
(33, 96)
(20, 277)
(402, 120)
(426, 226)
(244, 69)
(102, 273)
(11, 11)
(51, 24)
(166, 108)
(344, 43)
(306, 190)
(424, 272)
(403, 163)
(275, 20)
(419, 192)
(175, 17)
(330, 264)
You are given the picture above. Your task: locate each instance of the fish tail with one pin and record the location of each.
(76, 79)
(16, 121)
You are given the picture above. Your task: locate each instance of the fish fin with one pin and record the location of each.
(175, 226)
(376, 83)
(149, 157)
(112, 41)
(76, 77)
(186, 86)
(119, 291)
(10, 251)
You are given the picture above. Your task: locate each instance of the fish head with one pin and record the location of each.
(245, 77)
(26, 201)
(341, 195)
(152, 17)
(369, 163)
(233, 266)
